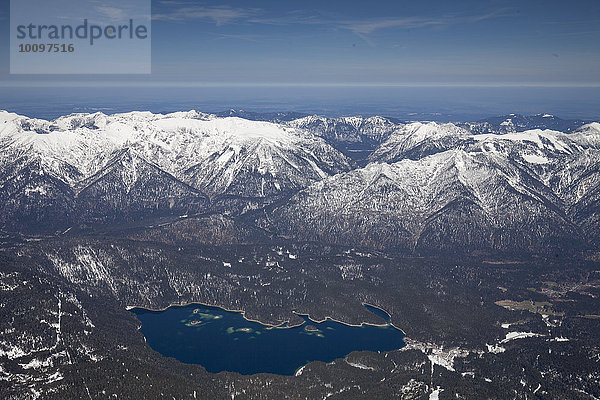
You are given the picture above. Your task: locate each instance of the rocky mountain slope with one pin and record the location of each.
(437, 186)
(426, 187)
(517, 123)
(96, 168)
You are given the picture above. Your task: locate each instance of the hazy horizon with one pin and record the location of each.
(545, 43)
(409, 103)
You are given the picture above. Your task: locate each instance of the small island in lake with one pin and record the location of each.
(229, 342)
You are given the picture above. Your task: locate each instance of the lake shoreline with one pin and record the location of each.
(370, 330)
(280, 325)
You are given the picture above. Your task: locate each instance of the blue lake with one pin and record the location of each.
(221, 340)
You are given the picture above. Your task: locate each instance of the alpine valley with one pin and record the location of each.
(479, 239)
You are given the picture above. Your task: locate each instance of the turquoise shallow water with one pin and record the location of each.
(221, 340)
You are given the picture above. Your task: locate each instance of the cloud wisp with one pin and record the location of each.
(112, 13)
(369, 26)
(219, 15)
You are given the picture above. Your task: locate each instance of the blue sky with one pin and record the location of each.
(429, 43)
(446, 60)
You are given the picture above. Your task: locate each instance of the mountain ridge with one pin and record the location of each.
(422, 187)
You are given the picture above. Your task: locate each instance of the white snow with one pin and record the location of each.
(437, 355)
(535, 159)
(518, 335)
(36, 364)
(77, 146)
(495, 349)
(533, 136)
(359, 365)
(57, 376)
(11, 351)
(442, 359)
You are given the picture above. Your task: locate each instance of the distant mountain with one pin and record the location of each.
(348, 129)
(356, 137)
(419, 139)
(517, 123)
(261, 116)
(89, 168)
(435, 187)
(417, 187)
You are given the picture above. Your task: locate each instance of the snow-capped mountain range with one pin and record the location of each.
(176, 162)
(494, 184)
(431, 186)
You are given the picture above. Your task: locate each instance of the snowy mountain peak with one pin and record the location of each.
(590, 129)
(217, 156)
(6, 116)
